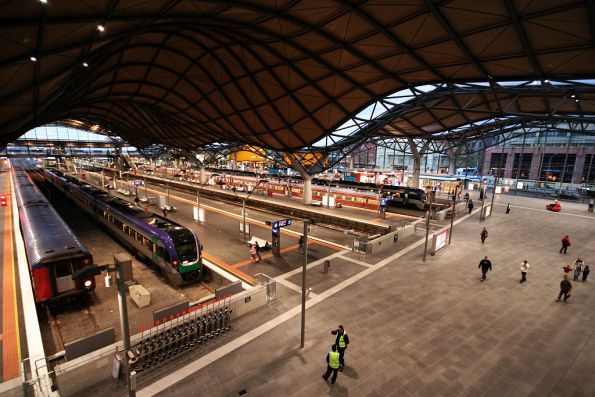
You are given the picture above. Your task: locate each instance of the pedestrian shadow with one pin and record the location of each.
(349, 372)
(337, 390)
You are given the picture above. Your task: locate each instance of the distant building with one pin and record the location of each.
(552, 156)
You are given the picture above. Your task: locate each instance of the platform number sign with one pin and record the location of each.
(3, 202)
(275, 229)
(275, 226)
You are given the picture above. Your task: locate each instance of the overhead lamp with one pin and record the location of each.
(43, 1)
(33, 59)
(546, 81)
(573, 96)
(101, 28)
(576, 100)
(85, 64)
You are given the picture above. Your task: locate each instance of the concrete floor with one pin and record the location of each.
(419, 329)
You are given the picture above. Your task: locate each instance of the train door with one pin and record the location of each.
(63, 273)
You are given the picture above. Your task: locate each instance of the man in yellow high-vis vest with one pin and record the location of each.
(332, 359)
(341, 342)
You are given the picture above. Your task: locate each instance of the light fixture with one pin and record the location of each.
(546, 81)
(43, 1)
(33, 59)
(573, 96)
(101, 28)
(85, 64)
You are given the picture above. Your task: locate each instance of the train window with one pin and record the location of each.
(146, 242)
(139, 237)
(125, 228)
(161, 252)
(63, 269)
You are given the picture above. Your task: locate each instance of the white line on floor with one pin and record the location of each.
(355, 261)
(178, 375)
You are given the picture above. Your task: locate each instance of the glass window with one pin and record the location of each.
(63, 269)
(161, 252)
(522, 165)
(498, 164)
(185, 244)
(557, 167)
(589, 169)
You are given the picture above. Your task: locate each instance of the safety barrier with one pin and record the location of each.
(269, 284)
(365, 246)
(447, 212)
(72, 377)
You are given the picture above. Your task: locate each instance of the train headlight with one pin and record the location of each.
(88, 284)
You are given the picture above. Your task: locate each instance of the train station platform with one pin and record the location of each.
(227, 247)
(10, 309)
(417, 329)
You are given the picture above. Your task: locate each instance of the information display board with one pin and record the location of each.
(441, 240)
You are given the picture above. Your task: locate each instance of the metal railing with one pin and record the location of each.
(269, 283)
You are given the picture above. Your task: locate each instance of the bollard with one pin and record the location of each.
(327, 264)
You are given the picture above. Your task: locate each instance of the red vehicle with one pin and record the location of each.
(555, 207)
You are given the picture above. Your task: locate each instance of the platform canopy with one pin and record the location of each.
(285, 74)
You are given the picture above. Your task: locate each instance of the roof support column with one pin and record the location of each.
(202, 176)
(414, 181)
(452, 161)
(307, 192)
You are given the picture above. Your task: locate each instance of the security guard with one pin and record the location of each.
(341, 342)
(332, 358)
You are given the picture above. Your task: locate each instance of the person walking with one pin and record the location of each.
(524, 270)
(483, 235)
(332, 359)
(565, 288)
(467, 196)
(586, 272)
(301, 243)
(508, 208)
(258, 257)
(485, 266)
(341, 341)
(565, 244)
(470, 205)
(578, 268)
(253, 252)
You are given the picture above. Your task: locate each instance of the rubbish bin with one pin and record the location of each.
(591, 205)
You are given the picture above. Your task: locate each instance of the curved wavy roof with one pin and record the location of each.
(278, 74)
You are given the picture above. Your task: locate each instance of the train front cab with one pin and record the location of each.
(53, 280)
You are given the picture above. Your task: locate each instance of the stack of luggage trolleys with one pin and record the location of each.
(190, 331)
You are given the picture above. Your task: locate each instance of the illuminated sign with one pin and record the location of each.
(441, 240)
(275, 226)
